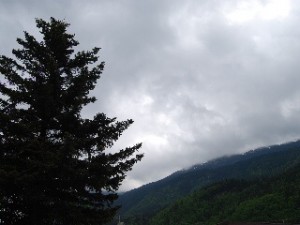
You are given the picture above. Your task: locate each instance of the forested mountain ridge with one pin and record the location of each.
(142, 203)
(275, 199)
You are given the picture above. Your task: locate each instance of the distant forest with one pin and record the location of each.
(262, 185)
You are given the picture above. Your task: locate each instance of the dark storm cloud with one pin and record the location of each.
(200, 79)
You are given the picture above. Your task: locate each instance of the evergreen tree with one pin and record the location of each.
(55, 167)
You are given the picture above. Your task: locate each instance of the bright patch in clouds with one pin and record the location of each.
(246, 11)
(290, 108)
(155, 140)
(146, 100)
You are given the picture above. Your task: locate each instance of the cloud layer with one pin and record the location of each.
(200, 78)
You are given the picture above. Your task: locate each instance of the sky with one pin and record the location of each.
(201, 79)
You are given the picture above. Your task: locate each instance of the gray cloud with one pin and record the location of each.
(200, 79)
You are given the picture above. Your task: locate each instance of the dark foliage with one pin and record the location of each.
(142, 203)
(270, 200)
(54, 164)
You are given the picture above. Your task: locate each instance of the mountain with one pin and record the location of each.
(275, 199)
(142, 203)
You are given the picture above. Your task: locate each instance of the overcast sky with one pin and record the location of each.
(201, 79)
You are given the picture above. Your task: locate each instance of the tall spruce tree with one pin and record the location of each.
(55, 167)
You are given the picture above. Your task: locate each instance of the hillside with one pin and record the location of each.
(272, 200)
(142, 203)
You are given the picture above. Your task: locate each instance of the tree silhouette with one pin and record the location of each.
(54, 164)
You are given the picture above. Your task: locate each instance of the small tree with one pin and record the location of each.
(54, 165)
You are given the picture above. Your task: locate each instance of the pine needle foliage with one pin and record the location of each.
(55, 166)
